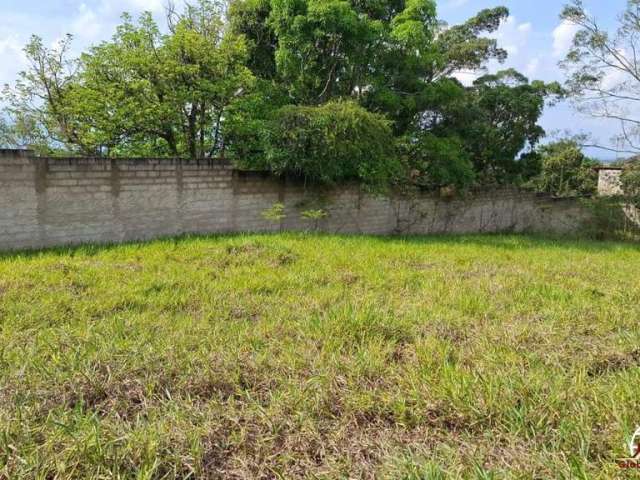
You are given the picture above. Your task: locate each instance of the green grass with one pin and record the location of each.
(292, 356)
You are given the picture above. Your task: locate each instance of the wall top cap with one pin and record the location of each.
(605, 167)
(16, 152)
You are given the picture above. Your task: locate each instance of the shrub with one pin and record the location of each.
(435, 162)
(565, 171)
(331, 143)
(630, 179)
(275, 213)
(607, 220)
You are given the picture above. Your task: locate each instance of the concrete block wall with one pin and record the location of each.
(59, 201)
(19, 206)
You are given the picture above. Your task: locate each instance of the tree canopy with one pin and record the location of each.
(329, 90)
(332, 142)
(144, 92)
(565, 170)
(603, 72)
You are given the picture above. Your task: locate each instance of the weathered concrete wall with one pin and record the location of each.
(53, 201)
(609, 183)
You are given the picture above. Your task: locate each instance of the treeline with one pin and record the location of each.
(328, 90)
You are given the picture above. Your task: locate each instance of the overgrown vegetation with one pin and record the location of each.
(565, 171)
(334, 142)
(317, 356)
(630, 182)
(329, 90)
(610, 219)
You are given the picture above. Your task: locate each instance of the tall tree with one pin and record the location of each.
(264, 76)
(604, 71)
(395, 58)
(37, 106)
(497, 118)
(385, 54)
(565, 170)
(144, 92)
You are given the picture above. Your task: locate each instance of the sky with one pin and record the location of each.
(533, 35)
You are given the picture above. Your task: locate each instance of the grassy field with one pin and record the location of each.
(296, 356)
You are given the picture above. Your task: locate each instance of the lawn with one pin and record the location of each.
(302, 356)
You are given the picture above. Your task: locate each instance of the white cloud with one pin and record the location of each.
(563, 38)
(513, 36)
(512, 50)
(12, 58)
(10, 46)
(466, 78)
(155, 6)
(532, 67)
(113, 8)
(90, 22)
(86, 25)
(615, 77)
(525, 27)
(456, 3)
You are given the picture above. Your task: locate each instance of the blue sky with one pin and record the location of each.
(533, 35)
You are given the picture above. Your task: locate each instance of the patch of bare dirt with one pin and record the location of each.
(614, 362)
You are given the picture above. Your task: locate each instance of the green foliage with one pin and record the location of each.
(397, 59)
(322, 47)
(248, 122)
(8, 135)
(483, 134)
(630, 179)
(39, 109)
(172, 88)
(434, 162)
(314, 215)
(334, 142)
(144, 93)
(497, 119)
(413, 78)
(565, 171)
(609, 219)
(249, 18)
(390, 56)
(275, 213)
(320, 89)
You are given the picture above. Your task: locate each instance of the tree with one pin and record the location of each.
(565, 170)
(394, 58)
(262, 79)
(385, 55)
(603, 71)
(497, 120)
(250, 18)
(37, 107)
(335, 142)
(434, 162)
(144, 93)
(417, 64)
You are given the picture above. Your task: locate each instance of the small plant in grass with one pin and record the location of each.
(275, 213)
(314, 215)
